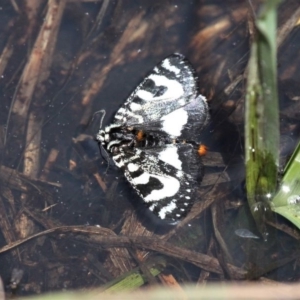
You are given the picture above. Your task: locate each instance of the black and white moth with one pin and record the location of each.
(154, 138)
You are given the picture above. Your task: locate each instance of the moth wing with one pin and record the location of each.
(169, 86)
(165, 177)
(183, 123)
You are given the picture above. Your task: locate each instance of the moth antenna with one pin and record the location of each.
(103, 115)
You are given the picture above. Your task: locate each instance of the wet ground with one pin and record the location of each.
(63, 61)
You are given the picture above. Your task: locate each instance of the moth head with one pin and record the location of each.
(103, 137)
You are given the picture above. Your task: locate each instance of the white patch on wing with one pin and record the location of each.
(182, 101)
(174, 122)
(142, 179)
(179, 174)
(167, 209)
(132, 167)
(144, 95)
(119, 164)
(170, 156)
(166, 64)
(121, 110)
(170, 186)
(174, 89)
(152, 207)
(134, 106)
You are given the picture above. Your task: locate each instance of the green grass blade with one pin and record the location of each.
(134, 279)
(287, 201)
(262, 116)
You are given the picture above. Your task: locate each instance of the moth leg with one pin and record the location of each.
(104, 154)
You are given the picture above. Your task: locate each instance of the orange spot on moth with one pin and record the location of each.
(140, 135)
(202, 150)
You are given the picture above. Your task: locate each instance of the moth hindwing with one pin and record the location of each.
(154, 138)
